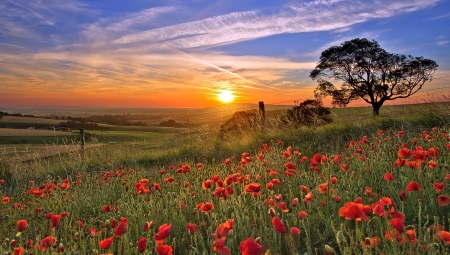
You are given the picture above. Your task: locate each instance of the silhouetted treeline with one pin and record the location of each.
(15, 114)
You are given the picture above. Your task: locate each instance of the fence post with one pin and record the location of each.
(82, 141)
(262, 114)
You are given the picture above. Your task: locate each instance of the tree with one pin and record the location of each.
(368, 72)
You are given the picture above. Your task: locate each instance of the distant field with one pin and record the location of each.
(17, 119)
(28, 132)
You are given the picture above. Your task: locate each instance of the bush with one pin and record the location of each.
(310, 112)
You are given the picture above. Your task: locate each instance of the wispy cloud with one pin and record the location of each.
(306, 17)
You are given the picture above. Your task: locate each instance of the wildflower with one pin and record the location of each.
(106, 243)
(219, 246)
(163, 232)
(149, 225)
(191, 227)
(223, 229)
(308, 197)
(19, 251)
(443, 200)
(251, 247)
(21, 224)
(283, 207)
(92, 232)
(142, 244)
(412, 186)
(352, 210)
(302, 215)
(388, 177)
(206, 207)
(55, 218)
(438, 186)
(443, 236)
(163, 249)
(295, 231)
(5, 200)
(47, 242)
(278, 225)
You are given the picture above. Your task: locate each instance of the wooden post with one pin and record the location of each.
(82, 141)
(262, 114)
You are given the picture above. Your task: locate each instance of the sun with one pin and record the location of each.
(225, 96)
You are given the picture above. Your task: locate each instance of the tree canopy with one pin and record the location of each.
(368, 72)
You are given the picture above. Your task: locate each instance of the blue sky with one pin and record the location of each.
(182, 53)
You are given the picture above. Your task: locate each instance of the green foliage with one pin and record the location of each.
(310, 112)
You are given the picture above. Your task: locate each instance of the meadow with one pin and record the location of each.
(360, 185)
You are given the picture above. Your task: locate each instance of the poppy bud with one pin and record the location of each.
(258, 239)
(340, 237)
(328, 250)
(272, 212)
(107, 223)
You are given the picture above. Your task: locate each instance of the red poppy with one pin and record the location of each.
(206, 207)
(191, 227)
(432, 164)
(443, 200)
(388, 177)
(438, 186)
(163, 232)
(372, 242)
(163, 249)
(219, 246)
(19, 251)
(302, 215)
(352, 210)
(443, 236)
(323, 187)
(404, 152)
(282, 206)
(92, 232)
(5, 200)
(149, 225)
(400, 162)
(121, 229)
(55, 218)
(275, 182)
(224, 228)
(398, 224)
(250, 247)
(333, 180)
(412, 186)
(294, 202)
(290, 166)
(47, 242)
(295, 231)
(106, 208)
(308, 197)
(106, 243)
(278, 225)
(304, 188)
(337, 199)
(21, 224)
(142, 244)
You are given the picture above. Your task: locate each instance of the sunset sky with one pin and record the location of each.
(175, 53)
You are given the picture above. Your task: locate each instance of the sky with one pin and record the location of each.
(173, 53)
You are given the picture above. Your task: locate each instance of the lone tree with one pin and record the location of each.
(368, 72)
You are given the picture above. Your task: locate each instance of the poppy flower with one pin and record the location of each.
(224, 228)
(92, 232)
(55, 218)
(294, 202)
(295, 231)
(19, 251)
(443, 236)
(283, 207)
(21, 224)
(372, 242)
(290, 166)
(191, 227)
(337, 199)
(219, 246)
(443, 200)
(352, 210)
(308, 197)
(142, 244)
(398, 224)
(121, 229)
(163, 232)
(388, 177)
(412, 186)
(404, 152)
(278, 225)
(432, 164)
(46, 243)
(304, 188)
(106, 208)
(323, 187)
(250, 247)
(206, 207)
(163, 249)
(5, 200)
(333, 180)
(275, 182)
(438, 186)
(302, 215)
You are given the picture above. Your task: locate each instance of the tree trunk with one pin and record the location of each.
(376, 110)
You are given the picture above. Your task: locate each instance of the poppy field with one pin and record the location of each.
(385, 193)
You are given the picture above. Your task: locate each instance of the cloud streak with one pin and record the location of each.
(306, 17)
